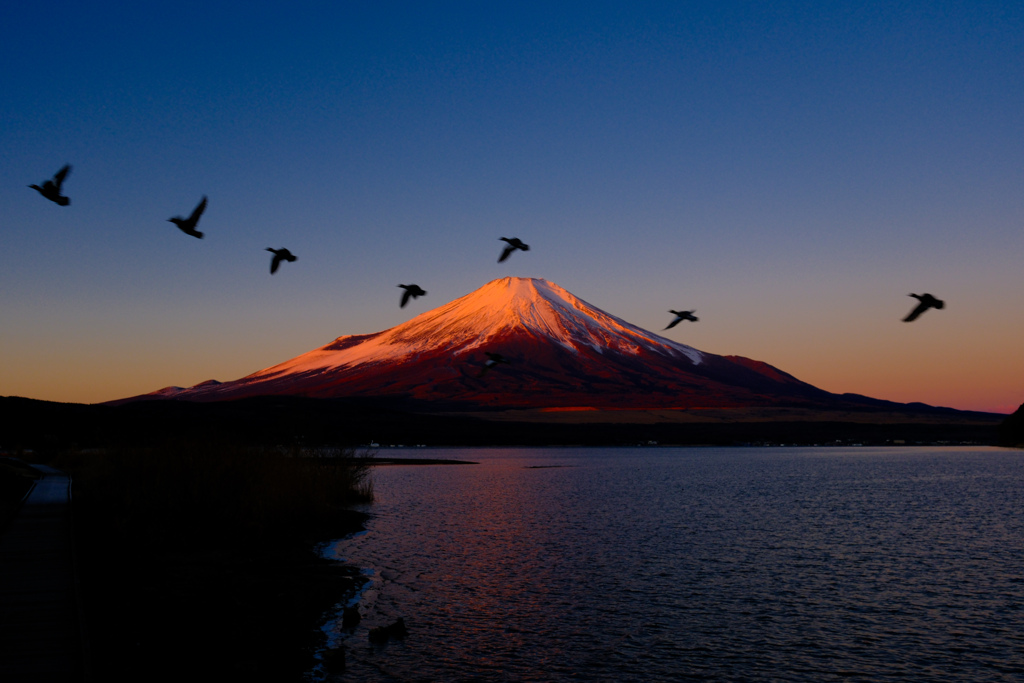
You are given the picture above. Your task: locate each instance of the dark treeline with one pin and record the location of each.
(1011, 432)
(45, 426)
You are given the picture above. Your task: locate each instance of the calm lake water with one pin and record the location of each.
(667, 564)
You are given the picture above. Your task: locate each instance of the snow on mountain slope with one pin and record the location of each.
(533, 306)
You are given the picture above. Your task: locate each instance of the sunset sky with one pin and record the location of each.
(791, 170)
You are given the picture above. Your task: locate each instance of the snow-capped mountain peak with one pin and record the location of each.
(560, 351)
(536, 306)
(480, 318)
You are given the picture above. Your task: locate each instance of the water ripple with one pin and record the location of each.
(695, 564)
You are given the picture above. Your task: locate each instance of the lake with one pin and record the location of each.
(667, 564)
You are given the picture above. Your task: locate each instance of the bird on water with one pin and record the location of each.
(281, 254)
(926, 301)
(681, 316)
(188, 225)
(51, 188)
(411, 292)
(513, 244)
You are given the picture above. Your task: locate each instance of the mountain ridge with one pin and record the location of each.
(561, 352)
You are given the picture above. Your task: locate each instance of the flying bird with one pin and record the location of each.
(188, 225)
(927, 301)
(681, 316)
(51, 188)
(411, 292)
(513, 244)
(281, 254)
(492, 360)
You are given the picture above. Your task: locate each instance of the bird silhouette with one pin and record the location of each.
(492, 360)
(927, 301)
(411, 292)
(188, 225)
(51, 188)
(513, 244)
(281, 254)
(681, 316)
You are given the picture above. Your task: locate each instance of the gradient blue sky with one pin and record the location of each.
(792, 170)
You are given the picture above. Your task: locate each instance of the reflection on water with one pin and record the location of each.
(695, 563)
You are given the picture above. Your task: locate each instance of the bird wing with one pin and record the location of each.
(505, 252)
(913, 315)
(198, 211)
(274, 263)
(405, 298)
(59, 176)
(674, 323)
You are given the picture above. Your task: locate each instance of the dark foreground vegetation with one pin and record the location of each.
(16, 479)
(198, 561)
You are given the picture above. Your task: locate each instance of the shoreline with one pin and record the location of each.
(389, 462)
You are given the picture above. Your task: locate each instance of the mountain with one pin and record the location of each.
(561, 352)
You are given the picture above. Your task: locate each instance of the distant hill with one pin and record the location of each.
(1011, 431)
(47, 427)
